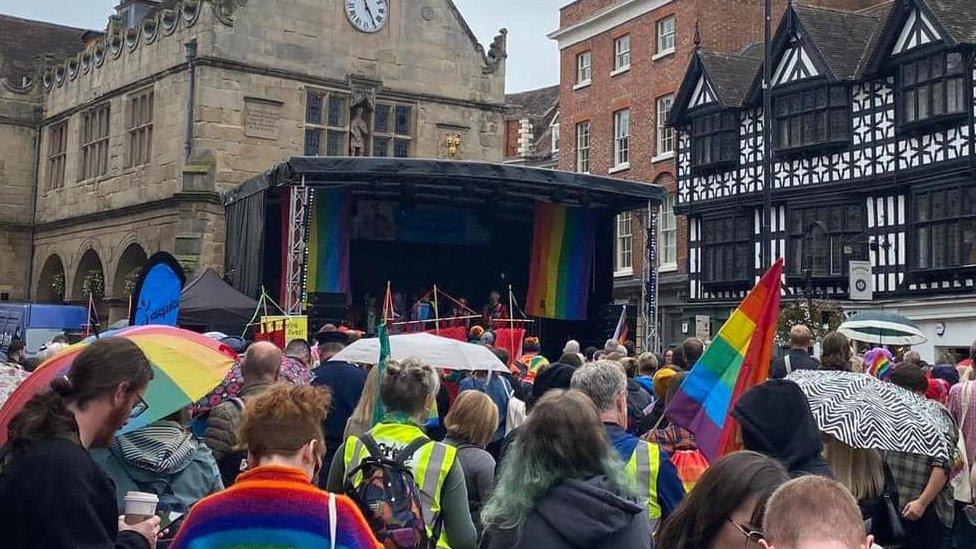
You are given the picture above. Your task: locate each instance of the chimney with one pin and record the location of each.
(131, 12)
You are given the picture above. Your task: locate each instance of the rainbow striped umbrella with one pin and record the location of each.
(186, 366)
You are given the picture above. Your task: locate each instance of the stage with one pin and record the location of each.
(325, 234)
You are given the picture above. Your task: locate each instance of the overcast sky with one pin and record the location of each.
(532, 58)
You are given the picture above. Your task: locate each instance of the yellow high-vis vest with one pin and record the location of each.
(430, 465)
(643, 467)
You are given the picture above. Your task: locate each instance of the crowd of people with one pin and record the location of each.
(304, 450)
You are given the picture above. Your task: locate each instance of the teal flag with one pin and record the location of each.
(384, 335)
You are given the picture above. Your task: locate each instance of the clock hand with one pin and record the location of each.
(372, 18)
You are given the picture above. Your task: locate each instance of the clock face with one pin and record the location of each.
(367, 15)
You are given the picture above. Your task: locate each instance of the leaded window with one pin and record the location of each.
(392, 130)
(813, 117)
(326, 124)
(945, 228)
(57, 151)
(823, 239)
(932, 88)
(139, 125)
(715, 139)
(94, 142)
(726, 252)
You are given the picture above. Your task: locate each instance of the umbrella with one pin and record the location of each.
(292, 371)
(439, 352)
(864, 412)
(186, 366)
(882, 328)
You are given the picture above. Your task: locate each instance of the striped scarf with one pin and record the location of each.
(163, 447)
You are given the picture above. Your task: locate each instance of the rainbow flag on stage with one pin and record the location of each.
(328, 242)
(737, 359)
(563, 243)
(877, 362)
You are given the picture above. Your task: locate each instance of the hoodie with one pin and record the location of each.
(162, 458)
(776, 421)
(578, 514)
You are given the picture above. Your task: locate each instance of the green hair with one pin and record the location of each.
(525, 478)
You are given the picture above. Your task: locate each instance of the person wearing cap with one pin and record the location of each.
(344, 379)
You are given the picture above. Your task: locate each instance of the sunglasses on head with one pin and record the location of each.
(754, 535)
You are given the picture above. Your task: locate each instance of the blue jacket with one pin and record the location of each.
(670, 490)
(345, 380)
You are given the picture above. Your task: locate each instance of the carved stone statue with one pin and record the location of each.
(496, 52)
(361, 111)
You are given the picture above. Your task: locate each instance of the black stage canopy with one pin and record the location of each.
(510, 188)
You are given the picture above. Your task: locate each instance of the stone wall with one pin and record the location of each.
(17, 140)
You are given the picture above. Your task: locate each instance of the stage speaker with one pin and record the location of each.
(326, 308)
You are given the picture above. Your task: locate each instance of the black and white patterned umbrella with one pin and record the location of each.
(865, 412)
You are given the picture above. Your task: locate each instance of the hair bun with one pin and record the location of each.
(62, 386)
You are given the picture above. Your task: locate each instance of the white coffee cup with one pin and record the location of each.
(139, 507)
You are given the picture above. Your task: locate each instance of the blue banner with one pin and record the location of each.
(157, 296)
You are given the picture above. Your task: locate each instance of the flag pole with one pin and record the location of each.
(511, 315)
(437, 314)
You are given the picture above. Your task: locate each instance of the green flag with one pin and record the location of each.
(384, 335)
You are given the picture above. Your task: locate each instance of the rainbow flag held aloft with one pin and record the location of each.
(736, 360)
(878, 362)
(328, 242)
(563, 243)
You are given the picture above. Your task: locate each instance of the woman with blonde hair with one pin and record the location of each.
(562, 485)
(860, 471)
(362, 415)
(470, 424)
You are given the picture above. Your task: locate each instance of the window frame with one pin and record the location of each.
(57, 155)
(902, 88)
(664, 133)
(621, 140)
(139, 130)
(393, 136)
(663, 36)
(621, 58)
(727, 128)
(583, 149)
(840, 225)
(584, 70)
(93, 149)
(324, 126)
(623, 256)
(668, 227)
(735, 244)
(805, 111)
(957, 212)
(554, 135)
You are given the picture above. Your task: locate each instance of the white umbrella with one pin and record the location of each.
(439, 352)
(882, 328)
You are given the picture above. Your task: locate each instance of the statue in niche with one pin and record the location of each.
(361, 112)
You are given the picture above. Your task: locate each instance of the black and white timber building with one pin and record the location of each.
(874, 160)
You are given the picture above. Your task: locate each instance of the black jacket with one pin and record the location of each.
(776, 420)
(799, 360)
(578, 514)
(55, 496)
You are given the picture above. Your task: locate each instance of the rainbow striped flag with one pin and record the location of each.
(737, 359)
(328, 242)
(563, 243)
(878, 362)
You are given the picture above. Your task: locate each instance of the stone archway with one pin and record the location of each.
(130, 264)
(51, 283)
(90, 269)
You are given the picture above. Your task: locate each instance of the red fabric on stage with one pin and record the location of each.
(454, 332)
(510, 339)
(271, 331)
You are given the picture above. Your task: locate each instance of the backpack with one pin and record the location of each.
(234, 462)
(389, 498)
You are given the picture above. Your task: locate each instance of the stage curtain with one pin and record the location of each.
(245, 242)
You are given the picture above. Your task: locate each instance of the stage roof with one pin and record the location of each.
(510, 188)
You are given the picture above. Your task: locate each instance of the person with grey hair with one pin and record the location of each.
(408, 390)
(647, 464)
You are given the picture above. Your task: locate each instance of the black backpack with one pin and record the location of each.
(234, 462)
(389, 498)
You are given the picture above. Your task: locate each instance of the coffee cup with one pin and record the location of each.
(139, 507)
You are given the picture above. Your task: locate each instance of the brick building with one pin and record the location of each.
(621, 64)
(532, 127)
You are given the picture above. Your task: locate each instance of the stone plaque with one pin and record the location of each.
(261, 118)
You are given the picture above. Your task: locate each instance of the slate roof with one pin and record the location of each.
(533, 103)
(846, 39)
(24, 41)
(732, 75)
(957, 16)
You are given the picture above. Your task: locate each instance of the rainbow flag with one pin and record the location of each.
(563, 243)
(328, 242)
(878, 362)
(737, 359)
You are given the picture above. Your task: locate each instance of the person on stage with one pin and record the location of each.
(494, 310)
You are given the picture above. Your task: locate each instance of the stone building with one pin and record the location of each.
(124, 140)
(532, 127)
(872, 161)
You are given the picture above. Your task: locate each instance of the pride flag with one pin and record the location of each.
(878, 362)
(737, 359)
(563, 243)
(328, 242)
